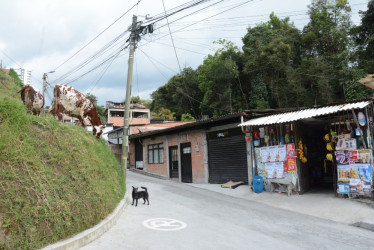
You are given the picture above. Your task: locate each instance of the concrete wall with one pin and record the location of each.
(117, 150)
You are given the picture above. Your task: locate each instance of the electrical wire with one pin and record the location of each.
(96, 66)
(180, 91)
(97, 35)
(103, 72)
(114, 42)
(196, 22)
(171, 36)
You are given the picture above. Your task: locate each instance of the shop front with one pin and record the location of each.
(325, 149)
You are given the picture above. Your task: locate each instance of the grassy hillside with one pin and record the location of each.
(56, 180)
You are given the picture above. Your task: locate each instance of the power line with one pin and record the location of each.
(98, 35)
(111, 45)
(171, 36)
(97, 66)
(2, 51)
(180, 91)
(159, 62)
(236, 6)
(103, 72)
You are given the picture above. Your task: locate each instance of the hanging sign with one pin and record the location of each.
(361, 118)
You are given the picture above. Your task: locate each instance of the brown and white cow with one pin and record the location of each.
(33, 99)
(67, 100)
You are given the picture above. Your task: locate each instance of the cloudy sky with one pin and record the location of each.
(84, 42)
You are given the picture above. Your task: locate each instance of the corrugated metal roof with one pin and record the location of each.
(303, 114)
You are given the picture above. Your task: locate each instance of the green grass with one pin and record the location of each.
(56, 180)
(9, 86)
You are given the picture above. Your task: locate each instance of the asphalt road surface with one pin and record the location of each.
(181, 216)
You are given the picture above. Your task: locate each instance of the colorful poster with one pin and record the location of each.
(364, 155)
(290, 148)
(272, 153)
(279, 166)
(344, 173)
(346, 144)
(356, 186)
(357, 176)
(274, 170)
(291, 165)
(345, 157)
(270, 170)
(265, 157)
(353, 156)
(343, 188)
(364, 172)
(342, 157)
(281, 153)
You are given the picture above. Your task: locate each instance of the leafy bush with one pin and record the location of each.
(14, 76)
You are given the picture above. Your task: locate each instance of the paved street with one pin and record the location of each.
(188, 217)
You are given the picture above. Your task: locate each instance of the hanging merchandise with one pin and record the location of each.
(301, 152)
(329, 157)
(334, 136)
(361, 119)
(327, 137)
(329, 146)
(256, 135)
(262, 133)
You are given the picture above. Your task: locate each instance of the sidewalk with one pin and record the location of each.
(319, 204)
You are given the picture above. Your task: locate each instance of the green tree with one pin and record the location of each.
(327, 51)
(272, 51)
(187, 117)
(14, 76)
(181, 94)
(100, 109)
(137, 99)
(165, 114)
(92, 97)
(219, 80)
(364, 37)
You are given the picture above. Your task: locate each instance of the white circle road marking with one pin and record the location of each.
(164, 224)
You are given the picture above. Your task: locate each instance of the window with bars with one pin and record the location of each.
(156, 153)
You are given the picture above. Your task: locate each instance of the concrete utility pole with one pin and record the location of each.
(44, 84)
(125, 140)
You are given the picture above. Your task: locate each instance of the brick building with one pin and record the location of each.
(207, 151)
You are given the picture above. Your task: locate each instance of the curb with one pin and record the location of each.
(148, 174)
(91, 234)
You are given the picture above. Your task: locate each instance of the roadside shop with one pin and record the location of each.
(328, 148)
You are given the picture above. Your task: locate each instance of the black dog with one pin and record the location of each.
(138, 195)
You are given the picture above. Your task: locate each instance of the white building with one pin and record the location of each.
(24, 75)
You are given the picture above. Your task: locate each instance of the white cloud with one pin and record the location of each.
(41, 34)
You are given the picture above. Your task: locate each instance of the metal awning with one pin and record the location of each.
(368, 81)
(303, 114)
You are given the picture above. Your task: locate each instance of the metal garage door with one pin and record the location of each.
(227, 156)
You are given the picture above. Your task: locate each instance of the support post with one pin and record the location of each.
(125, 141)
(44, 84)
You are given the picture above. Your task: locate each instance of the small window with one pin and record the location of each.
(156, 153)
(187, 150)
